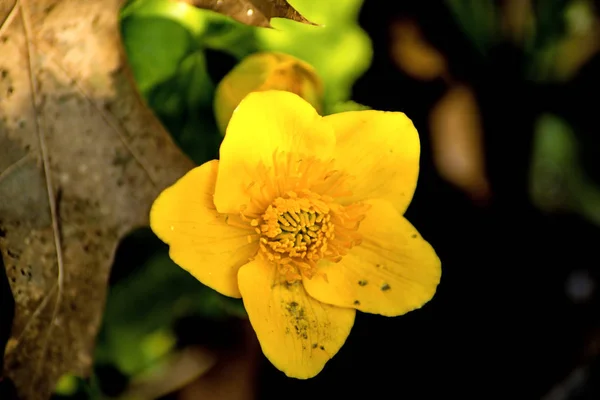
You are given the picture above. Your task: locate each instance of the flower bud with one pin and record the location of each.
(266, 71)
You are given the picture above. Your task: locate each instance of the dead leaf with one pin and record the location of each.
(457, 141)
(7, 313)
(81, 160)
(175, 372)
(240, 362)
(517, 20)
(252, 12)
(413, 54)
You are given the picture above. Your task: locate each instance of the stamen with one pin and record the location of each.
(294, 211)
(299, 230)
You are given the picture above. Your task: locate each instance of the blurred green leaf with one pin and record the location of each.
(558, 181)
(67, 385)
(155, 48)
(569, 41)
(209, 29)
(553, 163)
(178, 12)
(142, 307)
(550, 21)
(165, 42)
(72, 387)
(344, 106)
(542, 29)
(183, 104)
(339, 50)
(478, 20)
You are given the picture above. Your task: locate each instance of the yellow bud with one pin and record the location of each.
(266, 71)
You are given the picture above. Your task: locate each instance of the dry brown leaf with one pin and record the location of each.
(239, 362)
(413, 54)
(457, 142)
(252, 12)
(81, 160)
(517, 20)
(179, 370)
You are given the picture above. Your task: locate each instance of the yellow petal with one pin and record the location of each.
(297, 333)
(391, 272)
(200, 240)
(381, 150)
(265, 123)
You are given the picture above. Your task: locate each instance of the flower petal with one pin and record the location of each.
(266, 123)
(391, 272)
(200, 240)
(381, 150)
(297, 333)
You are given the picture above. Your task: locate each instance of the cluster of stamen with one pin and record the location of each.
(295, 233)
(300, 222)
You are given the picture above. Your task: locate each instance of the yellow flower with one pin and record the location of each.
(302, 218)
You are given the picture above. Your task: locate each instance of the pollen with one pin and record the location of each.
(301, 221)
(299, 229)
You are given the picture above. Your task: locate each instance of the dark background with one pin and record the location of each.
(501, 323)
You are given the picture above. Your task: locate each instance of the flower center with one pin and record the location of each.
(295, 234)
(298, 230)
(295, 212)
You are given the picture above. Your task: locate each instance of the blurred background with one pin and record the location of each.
(505, 96)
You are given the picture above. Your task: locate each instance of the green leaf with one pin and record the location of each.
(174, 11)
(209, 29)
(67, 385)
(479, 21)
(550, 22)
(558, 181)
(344, 106)
(155, 48)
(165, 42)
(73, 387)
(184, 105)
(339, 50)
(142, 307)
(553, 163)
